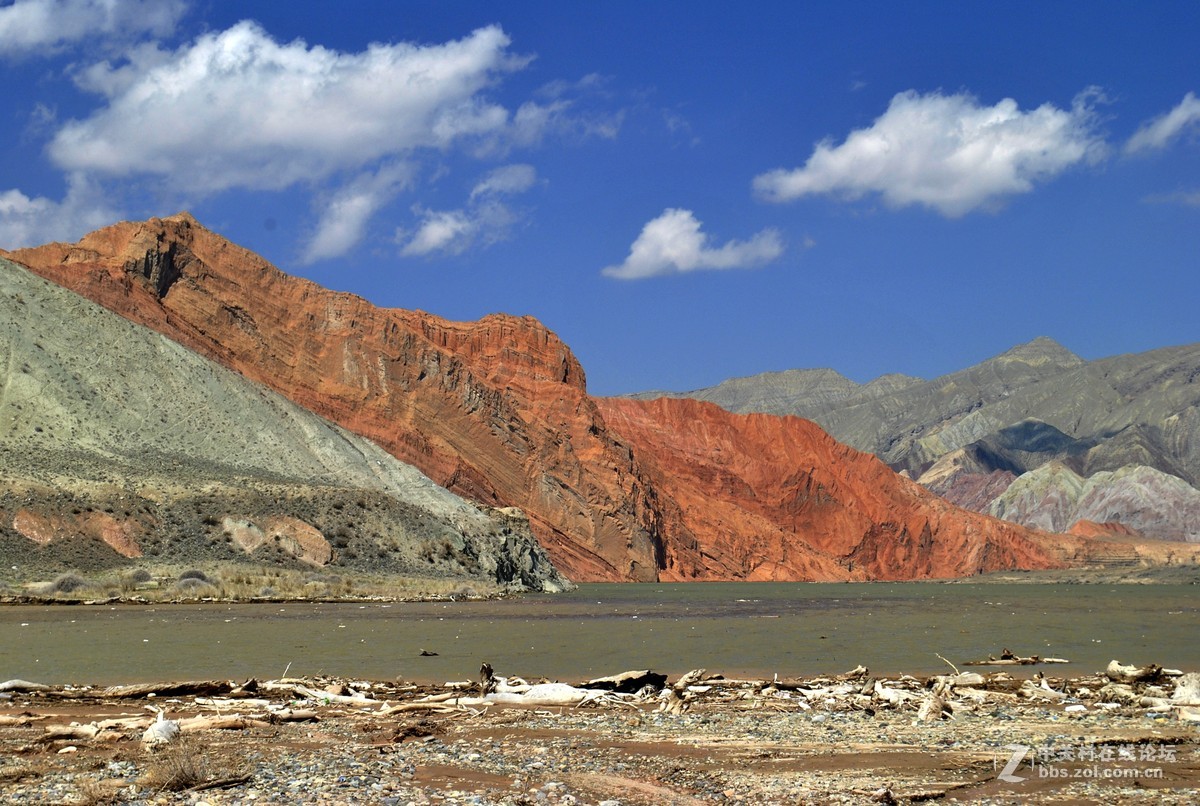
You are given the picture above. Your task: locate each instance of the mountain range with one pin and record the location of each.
(117, 443)
(1036, 435)
(497, 412)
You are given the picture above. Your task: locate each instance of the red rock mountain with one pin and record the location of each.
(497, 411)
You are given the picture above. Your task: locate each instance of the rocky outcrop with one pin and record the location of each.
(117, 443)
(494, 410)
(1141, 499)
(497, 411)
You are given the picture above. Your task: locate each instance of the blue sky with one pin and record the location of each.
(684, 192)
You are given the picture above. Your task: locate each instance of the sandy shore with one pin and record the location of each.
(844, 739)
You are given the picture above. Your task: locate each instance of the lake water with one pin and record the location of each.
(737, 629)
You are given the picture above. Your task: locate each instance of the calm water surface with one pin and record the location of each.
(733, 628)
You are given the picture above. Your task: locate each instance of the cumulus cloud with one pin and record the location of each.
(1162, 130)
(946, 152)
(238, 109)
(674, 244)
(484, 220)
(26, 221)
(344, 219)
(41, 26)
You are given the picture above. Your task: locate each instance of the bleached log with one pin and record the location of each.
(22, 721)
(1187, 689)
(205, 688)
(300, 690)
(892, 696)
(935, 706)
(221, 722)
(74, 733)
(627, 682)
(434, 707)
(675, 698)
(23, 686)
(1120, 673)
(546, 694)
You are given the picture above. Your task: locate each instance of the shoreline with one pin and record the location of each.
(700, 738)
(474, 590)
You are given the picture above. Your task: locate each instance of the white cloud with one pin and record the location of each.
(674, 244)
(1162, 130)
(344, 219)
(237, 109)
(450, 231)
(1188, 198)
(506, 179)
(26, 221)
(40, 26)
(484, 221)
(946, 152)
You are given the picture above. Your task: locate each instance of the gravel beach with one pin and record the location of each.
(846, 739)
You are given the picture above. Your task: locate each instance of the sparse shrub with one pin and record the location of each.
(66, 583)
(139, 575)
(194, 573)
(195, 588)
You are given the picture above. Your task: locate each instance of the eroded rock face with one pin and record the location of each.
(497, 411)
(44, 528)
(777, 498)
(1140, 499)
(116, 442)
(494, 410)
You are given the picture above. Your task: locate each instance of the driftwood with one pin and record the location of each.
(675, 698)
(1009, 658)
(204, 688)
(628, 682)
(937, 703)
(1120, 673)
(23, 686)
(304, 692)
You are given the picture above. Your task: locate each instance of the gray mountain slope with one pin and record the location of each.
(790, 391)
(1035, 404)
(95, 410)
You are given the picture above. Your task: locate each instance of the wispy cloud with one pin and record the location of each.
(484, 220)
(40, 27)
(1188, 198)
(947, 152)
(507, 179)
(1160, 131)
(344, 217)
(673, 243)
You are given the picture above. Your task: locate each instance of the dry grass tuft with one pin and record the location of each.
(177, 767)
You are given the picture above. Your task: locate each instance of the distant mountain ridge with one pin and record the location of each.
(497, 411)
(1032, 405)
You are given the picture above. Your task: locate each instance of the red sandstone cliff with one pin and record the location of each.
(778, 498)
(497, 411)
